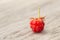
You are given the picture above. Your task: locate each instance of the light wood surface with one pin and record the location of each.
(15, 16)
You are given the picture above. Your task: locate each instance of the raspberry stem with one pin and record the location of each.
(39, 12)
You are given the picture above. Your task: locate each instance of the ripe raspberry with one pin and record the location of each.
(37, 24)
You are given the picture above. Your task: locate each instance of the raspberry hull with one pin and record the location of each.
(37, 24)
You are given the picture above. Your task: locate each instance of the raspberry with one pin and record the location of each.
(37, 24)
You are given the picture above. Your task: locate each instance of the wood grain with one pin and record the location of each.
(15, 16)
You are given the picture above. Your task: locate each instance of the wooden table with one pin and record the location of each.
(15, 16)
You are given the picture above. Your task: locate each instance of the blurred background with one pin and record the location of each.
(15, 16)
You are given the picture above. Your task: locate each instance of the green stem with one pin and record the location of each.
(38, 12)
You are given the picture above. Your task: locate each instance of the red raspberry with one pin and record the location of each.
(37, 24)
